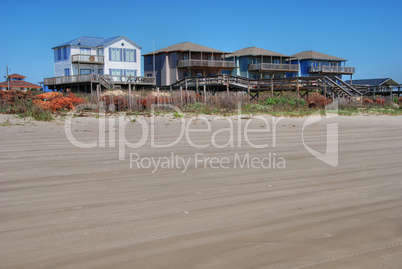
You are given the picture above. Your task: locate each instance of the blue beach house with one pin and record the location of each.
(313, 63)
(258, 63)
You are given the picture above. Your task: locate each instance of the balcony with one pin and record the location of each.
(87, 59)
(94, 78)
(327, 69)
(274, 67)
(206, 64)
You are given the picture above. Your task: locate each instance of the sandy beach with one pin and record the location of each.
(220, 204)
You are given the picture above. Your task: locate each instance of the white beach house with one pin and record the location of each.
(88, 63)
(118, 56)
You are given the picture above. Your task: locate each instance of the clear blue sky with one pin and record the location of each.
(367, 33)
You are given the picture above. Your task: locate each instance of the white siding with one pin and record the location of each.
(120, 64)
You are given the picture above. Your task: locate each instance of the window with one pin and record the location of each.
(66, 72)
(276, 61)
(131, 73)
(185, 57)
(149, 59)
(85, 71)
(65, 52)
(100, 71)
(59, 54)
(256, 60)
(199, 75)
(100, 52)
(86, 51)
(115, 72)
(115, 54)
(129, 55)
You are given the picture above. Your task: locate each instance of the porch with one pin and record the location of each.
(274, 67)
(86, 58)
(327, 69)
(105, 81)
(205, 64)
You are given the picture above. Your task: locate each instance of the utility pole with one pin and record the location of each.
(153, 59)
(8, 81)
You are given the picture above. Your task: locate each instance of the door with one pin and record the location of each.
(67, 72)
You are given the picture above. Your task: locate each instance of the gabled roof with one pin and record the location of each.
(16, 76)
(314, 55)
(88, 41)
(374, 82)
(255, 51)
(185, 46)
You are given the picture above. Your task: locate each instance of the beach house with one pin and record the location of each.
(183, 60)
(258, 63)
(313, 63)
(17, 82)
(85, 55)
(87, 61)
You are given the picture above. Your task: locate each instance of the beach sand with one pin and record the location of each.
(62, 206)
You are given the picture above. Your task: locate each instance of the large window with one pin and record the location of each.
(65, 52)
(67, 72)
(131, 73)
(130, 55)
(85, 71)
(115, 54)
(86, 51)
(115, 72)
(59, 54)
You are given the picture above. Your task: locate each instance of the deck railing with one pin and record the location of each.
(96, 79)
(274, 67)
(86, 58)
(206, 63)
(331, 69)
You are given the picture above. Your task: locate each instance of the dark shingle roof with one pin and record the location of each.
(185, 46)
(314, 55)
(373, 82)
(255, 51)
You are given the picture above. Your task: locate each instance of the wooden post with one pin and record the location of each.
(325, 89)
(171, 95)
(248, 87)
(181, 95)
(297, 86)
(157, 96)
(98, 96)
(129, 96)
(272, 87)
(196, 89)
(205, 94)
(187, 97)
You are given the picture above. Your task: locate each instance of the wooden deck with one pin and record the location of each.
(274, 67)
(326, 69)
(105, 81)
(329, 86)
